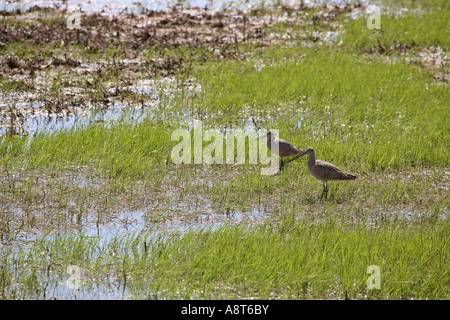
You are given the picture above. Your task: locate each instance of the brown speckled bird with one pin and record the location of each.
(282, 148)
(324, 171)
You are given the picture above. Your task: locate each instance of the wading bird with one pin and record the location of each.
(323, 171)
(282, 148)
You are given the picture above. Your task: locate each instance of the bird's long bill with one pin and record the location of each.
(297, 156)
(301, 154)
(264, 136)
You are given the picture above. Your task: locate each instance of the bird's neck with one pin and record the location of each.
(311, 159)
(269, 142)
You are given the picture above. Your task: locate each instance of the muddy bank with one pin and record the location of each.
(58, 62)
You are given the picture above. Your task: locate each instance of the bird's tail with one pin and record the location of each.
(350, 176)
(346, 176)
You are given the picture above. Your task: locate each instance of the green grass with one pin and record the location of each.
(14, 86)
(364, 114)
(336, 97)
(416, 28)
(295, 259)
(119, 149)
(362, 90)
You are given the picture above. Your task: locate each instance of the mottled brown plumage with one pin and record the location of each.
(281, 147)
(324, 171)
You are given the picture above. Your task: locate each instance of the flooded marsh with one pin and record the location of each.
(93, 207)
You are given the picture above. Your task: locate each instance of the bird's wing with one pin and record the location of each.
(330, 171)
(288, 148)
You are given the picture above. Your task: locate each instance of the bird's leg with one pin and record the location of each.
(326, 190)
(323, 191)
(281, 164)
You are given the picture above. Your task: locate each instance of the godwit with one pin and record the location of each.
(282, 149)
(324, 171)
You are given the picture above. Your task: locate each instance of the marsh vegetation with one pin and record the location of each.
(86, 178)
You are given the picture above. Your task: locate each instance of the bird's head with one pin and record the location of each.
(308, 151)
(269, 135)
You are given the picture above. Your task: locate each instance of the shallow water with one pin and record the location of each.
(26, 115)
(133, 6)
(32, 121)
(126, 223)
